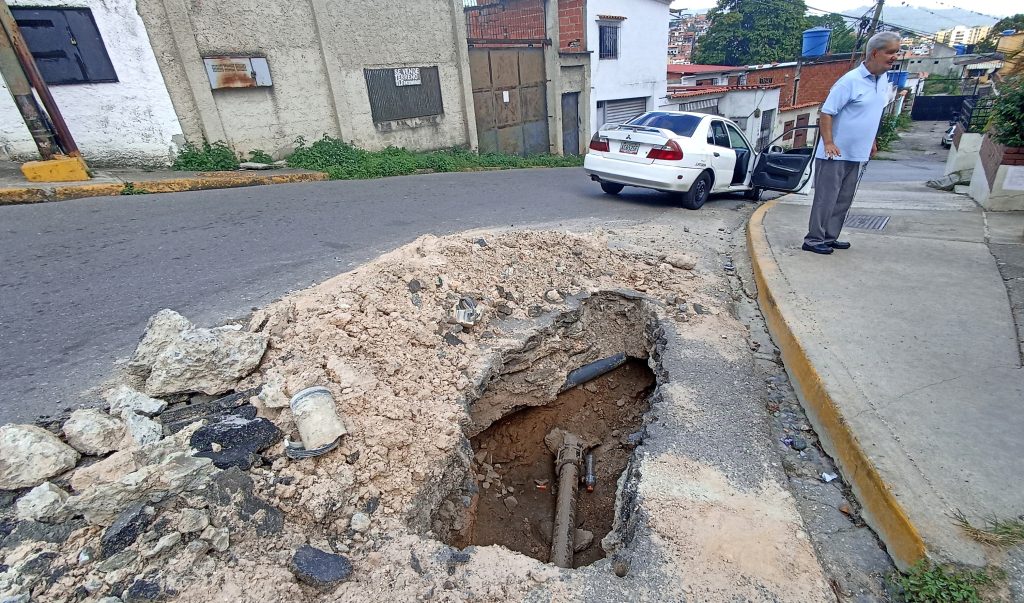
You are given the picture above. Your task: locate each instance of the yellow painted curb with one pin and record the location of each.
(880, 510)
(10, 196)
(204, 181)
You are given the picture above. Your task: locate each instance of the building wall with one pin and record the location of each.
(816, 79)
(639, 71)
(572, 31)
(316, 51)
(741, 106)
(128, 122)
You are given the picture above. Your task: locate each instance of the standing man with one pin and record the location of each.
(848, 124)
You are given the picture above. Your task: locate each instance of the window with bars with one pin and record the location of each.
(65, 44)
(608, 36)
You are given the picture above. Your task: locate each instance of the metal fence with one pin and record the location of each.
(975, 113)
(505, 22)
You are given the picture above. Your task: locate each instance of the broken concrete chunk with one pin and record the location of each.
(320, 569)
(175, 356)
(123, 398)
(142, 430)
(30, 455)
(41, 503)
(166, 543)
(179, 472)
(583, 540)
(193, 520)
(92, 431)
(683, 262)
(360, 522)
(118, 561)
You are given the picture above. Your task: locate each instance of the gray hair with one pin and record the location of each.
(881, 40)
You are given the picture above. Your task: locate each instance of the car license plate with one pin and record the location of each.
(629, 147)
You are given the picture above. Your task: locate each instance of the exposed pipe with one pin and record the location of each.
(589, 372)
(568, 458)
(28, 64)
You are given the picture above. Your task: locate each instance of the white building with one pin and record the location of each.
(104, 75)
(630, 45)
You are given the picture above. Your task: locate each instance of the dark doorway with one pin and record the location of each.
(571, 123)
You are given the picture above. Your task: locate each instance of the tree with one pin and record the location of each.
(843, 36)
(1012, 22)
(746, 32)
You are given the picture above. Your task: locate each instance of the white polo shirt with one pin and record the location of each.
(855, 103)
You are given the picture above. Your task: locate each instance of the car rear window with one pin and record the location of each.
(683, 125)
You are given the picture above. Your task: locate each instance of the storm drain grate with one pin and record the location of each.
(866, 222)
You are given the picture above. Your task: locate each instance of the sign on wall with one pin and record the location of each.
(408, 76)
(237, 72)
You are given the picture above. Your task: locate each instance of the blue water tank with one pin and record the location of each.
(815, 41)
(899, 78)
(959, 48)
(1008, 32)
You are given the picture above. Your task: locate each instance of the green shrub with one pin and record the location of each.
(129, 188)
(927, 583)
(207, 158)
(258, 156)
(887, 132)
(343, 161)
(1008, 113)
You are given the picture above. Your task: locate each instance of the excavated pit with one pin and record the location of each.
(509, 491)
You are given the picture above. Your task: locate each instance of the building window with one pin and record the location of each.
(65, 44)
(403, 93)
(764, 80)
(608, 36)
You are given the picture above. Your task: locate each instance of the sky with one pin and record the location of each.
(996, 8)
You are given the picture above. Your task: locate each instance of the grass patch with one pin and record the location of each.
(927, 583)
(206, 158)
(996, 531)
(129, 188)
(343, 161)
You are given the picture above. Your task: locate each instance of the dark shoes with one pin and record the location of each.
(819, 248)
(839, 244)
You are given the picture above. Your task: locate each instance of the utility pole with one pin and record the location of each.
(62, 161)
(874, 20)
(21, 90)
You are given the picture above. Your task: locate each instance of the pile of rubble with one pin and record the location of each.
(183, 485)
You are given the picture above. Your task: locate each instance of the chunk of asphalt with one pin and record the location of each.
(125, 530)
(238, 438)
(320, 569)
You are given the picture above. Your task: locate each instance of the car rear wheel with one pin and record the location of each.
(698, 193)
(612, 188)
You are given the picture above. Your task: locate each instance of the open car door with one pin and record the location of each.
(786, 170)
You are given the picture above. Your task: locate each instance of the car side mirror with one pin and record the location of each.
(776, 149)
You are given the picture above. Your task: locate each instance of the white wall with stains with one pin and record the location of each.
(130, 122)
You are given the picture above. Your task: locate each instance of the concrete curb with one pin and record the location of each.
(206, 181)
(880, 509)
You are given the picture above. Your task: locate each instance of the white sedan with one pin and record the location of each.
(693, 155)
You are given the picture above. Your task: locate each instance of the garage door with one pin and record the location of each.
(621, 111)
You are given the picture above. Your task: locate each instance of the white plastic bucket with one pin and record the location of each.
(316, 418)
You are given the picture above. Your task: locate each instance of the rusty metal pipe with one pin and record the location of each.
(28, 65)
(567, 467)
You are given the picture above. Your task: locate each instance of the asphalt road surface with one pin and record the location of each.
(79, 279)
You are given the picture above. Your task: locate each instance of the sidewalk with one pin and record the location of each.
(15, 189)
(905, 353)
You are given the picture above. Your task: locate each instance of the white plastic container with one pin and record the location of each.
(316, 417)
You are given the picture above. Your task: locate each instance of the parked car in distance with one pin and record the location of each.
(947, 138)
(692, 155)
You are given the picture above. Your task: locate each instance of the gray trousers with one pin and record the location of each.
(835, 183)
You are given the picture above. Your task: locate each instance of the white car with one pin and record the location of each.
(693, 155)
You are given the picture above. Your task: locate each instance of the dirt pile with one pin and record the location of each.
(404, 344)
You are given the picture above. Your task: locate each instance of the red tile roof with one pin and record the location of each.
(688, 91)
(692, 69)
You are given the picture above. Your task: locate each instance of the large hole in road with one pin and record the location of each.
(544, 475)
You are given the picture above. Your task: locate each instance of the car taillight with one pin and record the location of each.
(599, 144)
(668, 152)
